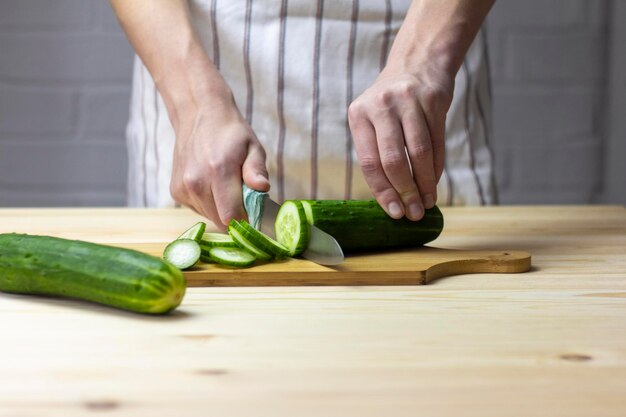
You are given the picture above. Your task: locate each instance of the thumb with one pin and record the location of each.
(253, 170)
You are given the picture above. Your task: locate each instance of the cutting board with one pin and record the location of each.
(417, 266)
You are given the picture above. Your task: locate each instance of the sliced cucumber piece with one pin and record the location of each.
(206, 258)
(195, 232)
(291, 227)
(260, 240)
(212, 239)
(246, 244)
(182, 253)
(232, 256)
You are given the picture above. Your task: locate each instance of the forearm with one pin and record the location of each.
(163, 36)
(437, 34)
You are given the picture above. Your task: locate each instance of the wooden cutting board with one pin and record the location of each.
(400, 267)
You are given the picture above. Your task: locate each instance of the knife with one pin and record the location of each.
(323, 249)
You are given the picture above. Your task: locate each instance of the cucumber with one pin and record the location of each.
(195, 232)
(363, 225)
(260, 240)
(211, 239)
(116, 277)
(291, 227)
(246, 244)
(232, 256)
(182, 253)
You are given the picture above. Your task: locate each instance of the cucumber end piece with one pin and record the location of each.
(182, 253)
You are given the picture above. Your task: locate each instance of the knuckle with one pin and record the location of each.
(383, 98)
(370, 165)
(193, 182)
(355, 111)
(393, 160)
(420, 151)
(406, 90)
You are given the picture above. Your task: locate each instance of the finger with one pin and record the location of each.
(205, 206)
(226, 185)
(420, 151)
(367, 151)
(198, 197)
(254, 171)
(436, 121)
(393, 157)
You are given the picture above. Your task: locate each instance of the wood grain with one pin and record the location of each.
(550, 342)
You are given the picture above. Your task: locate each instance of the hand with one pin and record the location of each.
(215, 150)
(398, 128)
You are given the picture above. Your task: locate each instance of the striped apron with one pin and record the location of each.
(294, 66)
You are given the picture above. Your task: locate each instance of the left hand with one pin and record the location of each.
(398, 128)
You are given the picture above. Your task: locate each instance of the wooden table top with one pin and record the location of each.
(551, 342)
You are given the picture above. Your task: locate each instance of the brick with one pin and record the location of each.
(57, 15)
(104, 112)
(97, 58)
(27, 111)
(45, 165)
(502, 162)
(568, 168)
(62, 198)
(552, 14)
(562, 58)
(543, 113)
(106, 18)
(546, 197)
(577, 166)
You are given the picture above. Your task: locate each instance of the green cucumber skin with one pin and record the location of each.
(360, 225)
(116, 277)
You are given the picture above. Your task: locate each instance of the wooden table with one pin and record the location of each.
(551, 342)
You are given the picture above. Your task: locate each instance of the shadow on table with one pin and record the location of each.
(86, 306)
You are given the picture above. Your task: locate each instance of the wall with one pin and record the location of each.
(64, 87)
(548, 60)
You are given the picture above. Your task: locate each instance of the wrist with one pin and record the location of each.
(189, 83)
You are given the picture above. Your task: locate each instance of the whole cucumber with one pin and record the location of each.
(360, 225)
(116, 277)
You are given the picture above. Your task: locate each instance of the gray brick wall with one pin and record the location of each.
(548, 60)
(65, 71)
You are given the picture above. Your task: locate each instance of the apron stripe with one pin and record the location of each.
(280, 102)
(387, 34)
(246, 62)
(144, 123)
(316, 96)
(483, 118)
(472, 162)
(216, 43)
(156, 143)
(354, 19)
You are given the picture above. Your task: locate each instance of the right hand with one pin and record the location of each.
(215, 150)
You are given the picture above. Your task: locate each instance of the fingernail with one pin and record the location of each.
(415, 210)
(395, 210)
(429, 201)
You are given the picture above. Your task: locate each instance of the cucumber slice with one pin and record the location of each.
(291, 227)
(195, 232)
(206, 258)
(247, 245)
(260, 240)
(212, 239)
(182, 253)
(232, 256)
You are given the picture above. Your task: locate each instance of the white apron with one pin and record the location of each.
(294, 66)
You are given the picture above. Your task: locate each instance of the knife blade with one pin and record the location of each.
(322, 249)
